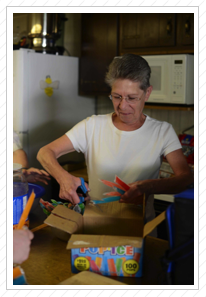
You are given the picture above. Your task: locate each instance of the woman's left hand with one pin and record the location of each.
(134, 195)
(34, 175)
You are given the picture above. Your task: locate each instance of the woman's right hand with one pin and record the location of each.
(68, 188)
(48, 156)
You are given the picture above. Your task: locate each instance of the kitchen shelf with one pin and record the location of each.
(169, 107)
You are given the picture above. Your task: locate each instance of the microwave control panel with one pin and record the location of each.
(178, 74)
(182, 91)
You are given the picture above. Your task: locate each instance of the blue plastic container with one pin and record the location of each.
(38, 190)
(20, 192)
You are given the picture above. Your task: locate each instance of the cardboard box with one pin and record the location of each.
(90, 278)
(108, 239)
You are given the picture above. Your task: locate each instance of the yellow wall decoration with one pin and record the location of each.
(48, 85)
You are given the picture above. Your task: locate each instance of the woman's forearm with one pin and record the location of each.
(49, 162)
(172, 185)
(68, 183)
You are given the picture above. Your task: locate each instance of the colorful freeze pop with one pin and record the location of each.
(119, 191)
(119, 262)
(112, 267)
(121, 183)
(120, 186)
(111, 194)
(88, 258)
(98, 261)
(94, 267)
(111, 184)
(137, 257)
(124, 273)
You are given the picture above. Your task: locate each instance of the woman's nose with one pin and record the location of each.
(123, 103)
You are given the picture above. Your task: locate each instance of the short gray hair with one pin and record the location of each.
(129, 66)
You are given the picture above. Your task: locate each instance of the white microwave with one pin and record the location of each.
(172, 78)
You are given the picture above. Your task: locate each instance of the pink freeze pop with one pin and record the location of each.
(121, 183)
(94, 267)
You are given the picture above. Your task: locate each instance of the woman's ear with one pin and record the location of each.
(148, 92)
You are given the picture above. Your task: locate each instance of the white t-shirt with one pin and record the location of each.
(131, 155)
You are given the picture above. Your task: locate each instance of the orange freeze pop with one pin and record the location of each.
(112, 194)
(16, 272)
(26, 211)
(88, 258)
(111, 184)
(112, 267)
(98, 261)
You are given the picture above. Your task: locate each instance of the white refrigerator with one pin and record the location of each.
(46, 103)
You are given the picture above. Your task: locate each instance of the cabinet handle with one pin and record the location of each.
(187, 26)
(169, 27)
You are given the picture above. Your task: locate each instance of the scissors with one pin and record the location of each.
(82, 190)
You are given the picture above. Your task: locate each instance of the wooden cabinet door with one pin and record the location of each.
(99, 47)
(148, 24)
(138, 30)
(185, 29)
(167, 29)
(128, 30)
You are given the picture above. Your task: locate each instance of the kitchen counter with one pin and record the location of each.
(49, 262)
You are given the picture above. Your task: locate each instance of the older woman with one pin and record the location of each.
(127, 143)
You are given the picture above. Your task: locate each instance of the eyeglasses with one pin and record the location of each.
(130, 100)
